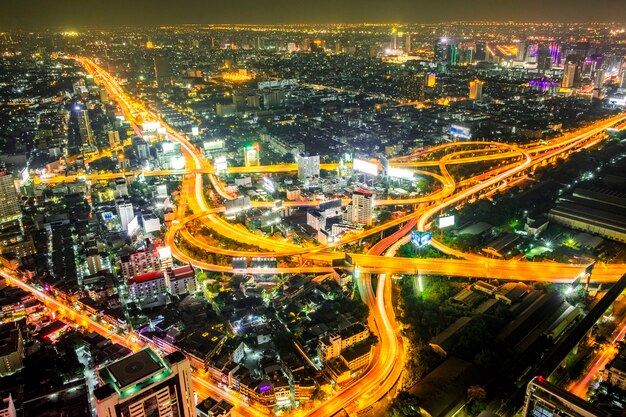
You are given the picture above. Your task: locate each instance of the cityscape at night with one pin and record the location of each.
(358, 209)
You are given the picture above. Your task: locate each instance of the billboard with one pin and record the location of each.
(251, 155)
(220, 163)
(365, 167)
(421, 239)
(460, 131)
(165, 252)
(446, 221)
(401, 173)
(213, 145)
(195, 131)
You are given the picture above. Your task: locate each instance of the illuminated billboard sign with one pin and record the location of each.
(213, 145)
(402, 173)
(421, 239)
(460, 131)
(365, 167)
(195, 131)
(165, 252)
(446, 221)
(251, 155)
(220, 163)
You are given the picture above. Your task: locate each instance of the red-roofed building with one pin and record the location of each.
(146, 285)
(182, 280)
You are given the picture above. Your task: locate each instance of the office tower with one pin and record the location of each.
(361, 208)
(308, 167)
(162, 71)
(569, 75)
(466, 56)
(555, 52)
(623, 80)
(546, 399)
(453, 54)
(431, 80)
(10, 208)
(544, 59)
(407, 43)
(521, 51)
(476, 89)
(413, 87)
(125, 212)
(599, 81)
(338, 47)
(481, 51)
(143, 384)
(441, 50)
(84, 128)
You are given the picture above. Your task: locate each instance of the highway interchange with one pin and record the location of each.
(385, 371)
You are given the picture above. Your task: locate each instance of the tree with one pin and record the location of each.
(404, 405)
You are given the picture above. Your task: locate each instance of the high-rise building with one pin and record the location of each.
(143, 384)
(10, 211)
(308, 167)
(623, 80)
(521, 51)
(544, 399)
(481, 51)
(84, 128)
(125, 212)
(431, 80)
(12, 349)
(453, 54)
(441, 49)
(569, 75)
(413, 87)
(144, 261)
(599, 81)
(407, 43)
(544, 58)
(361, 208)
(162, 71)
(476, 89)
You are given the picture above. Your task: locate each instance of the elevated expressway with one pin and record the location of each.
(386, 369)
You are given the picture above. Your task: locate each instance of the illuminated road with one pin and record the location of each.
(387, 367)
(582, 386)
(202, 387)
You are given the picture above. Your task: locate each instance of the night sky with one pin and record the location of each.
(76, 14)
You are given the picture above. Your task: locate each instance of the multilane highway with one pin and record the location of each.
(386, 369)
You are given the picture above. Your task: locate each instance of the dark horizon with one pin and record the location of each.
(68, 15)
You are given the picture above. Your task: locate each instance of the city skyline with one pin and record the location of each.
(68, 15)
(310, 220)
